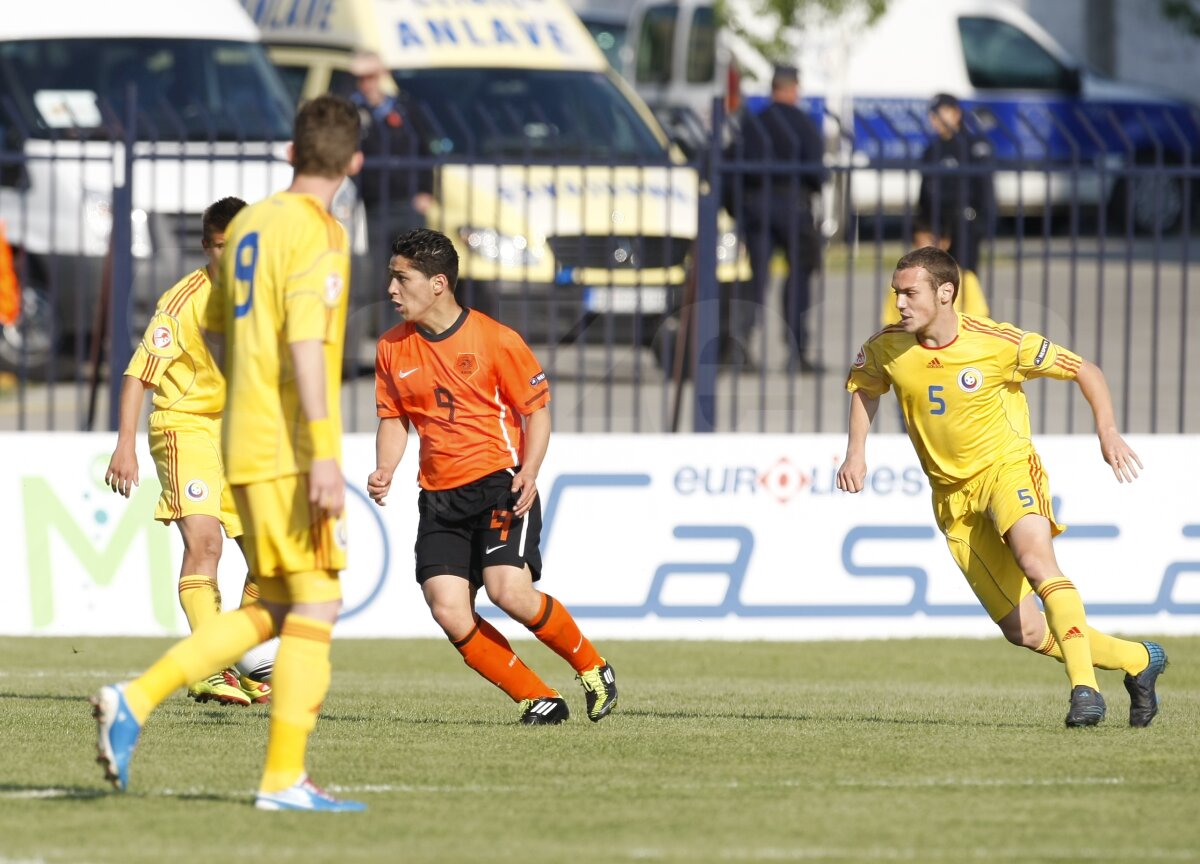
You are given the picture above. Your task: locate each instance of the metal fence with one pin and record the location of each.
(628, 276)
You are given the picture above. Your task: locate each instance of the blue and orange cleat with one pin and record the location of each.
(117, 734)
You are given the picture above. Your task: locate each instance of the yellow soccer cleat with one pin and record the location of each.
(222, 687)
(258, 692)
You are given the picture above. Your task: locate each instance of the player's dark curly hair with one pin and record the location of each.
(430, 253)
(939, 264)
(218, 216)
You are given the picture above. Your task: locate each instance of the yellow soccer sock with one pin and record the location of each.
(200, 598)
(147, 691)
(250, 592)
(217, 643)
(1049, 645)
(1108, 652)
(299, 684)
(1068, 623)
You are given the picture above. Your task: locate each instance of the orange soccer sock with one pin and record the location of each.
(486, 651)
(1068, 623)
(558, 631)
(200, 598)
(300, 683)
(216, 644)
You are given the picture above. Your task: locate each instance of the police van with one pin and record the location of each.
(1060, 132)
(571, 211)
(210, 118)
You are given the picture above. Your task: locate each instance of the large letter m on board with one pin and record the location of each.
(46, 516)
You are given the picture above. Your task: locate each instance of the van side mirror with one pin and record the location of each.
(684, 129)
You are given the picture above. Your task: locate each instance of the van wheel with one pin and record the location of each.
(30, 344)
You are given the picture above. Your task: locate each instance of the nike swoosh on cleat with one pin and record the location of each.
(409, 372)
(492, 549)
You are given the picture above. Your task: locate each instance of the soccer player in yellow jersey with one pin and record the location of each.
(281, 304)
(958, 380)
(185, 442)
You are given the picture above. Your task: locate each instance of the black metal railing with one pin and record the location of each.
(644, 310)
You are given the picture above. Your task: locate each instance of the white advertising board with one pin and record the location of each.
(705, 537)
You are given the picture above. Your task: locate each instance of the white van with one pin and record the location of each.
(564, 197)
(212, 120)
(870, 84)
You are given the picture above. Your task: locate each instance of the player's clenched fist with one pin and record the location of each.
(378, 484)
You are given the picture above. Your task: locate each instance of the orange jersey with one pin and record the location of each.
(465, 392)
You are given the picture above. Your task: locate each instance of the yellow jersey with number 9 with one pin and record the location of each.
(285, 277)
(962, 401)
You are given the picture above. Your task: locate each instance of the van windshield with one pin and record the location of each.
(522, 113)
(186, 89)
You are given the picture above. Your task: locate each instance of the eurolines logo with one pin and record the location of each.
(784, 480)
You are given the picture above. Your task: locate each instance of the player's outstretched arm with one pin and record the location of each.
(853, 471)
(391, 440)
(1119, 455)
(537, 441)
(326, 485)
(122, 473)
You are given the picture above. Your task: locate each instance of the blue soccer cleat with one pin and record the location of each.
(1143, 700)
(306, 795)
(117, 734)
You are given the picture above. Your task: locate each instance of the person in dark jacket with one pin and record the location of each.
(781, 152)
(396, 197)
(954, 206)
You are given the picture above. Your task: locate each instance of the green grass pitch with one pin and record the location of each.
(919, 751)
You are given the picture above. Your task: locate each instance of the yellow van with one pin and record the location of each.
(569, 207)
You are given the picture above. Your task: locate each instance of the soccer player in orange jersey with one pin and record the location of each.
(958, 379)
(478, 399)
(185, 443)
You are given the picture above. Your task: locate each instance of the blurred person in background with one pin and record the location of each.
(956, 200)
(396, 198)
(781, 154)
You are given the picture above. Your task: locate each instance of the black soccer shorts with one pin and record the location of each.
(461, 531)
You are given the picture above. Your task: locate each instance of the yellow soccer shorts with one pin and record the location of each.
(186, 449)
(294, 550)
(975, 518)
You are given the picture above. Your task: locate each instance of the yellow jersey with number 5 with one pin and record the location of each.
(285, 278)
(962, 401)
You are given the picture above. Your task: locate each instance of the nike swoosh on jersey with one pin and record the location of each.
(492, 549)
(408, 372)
